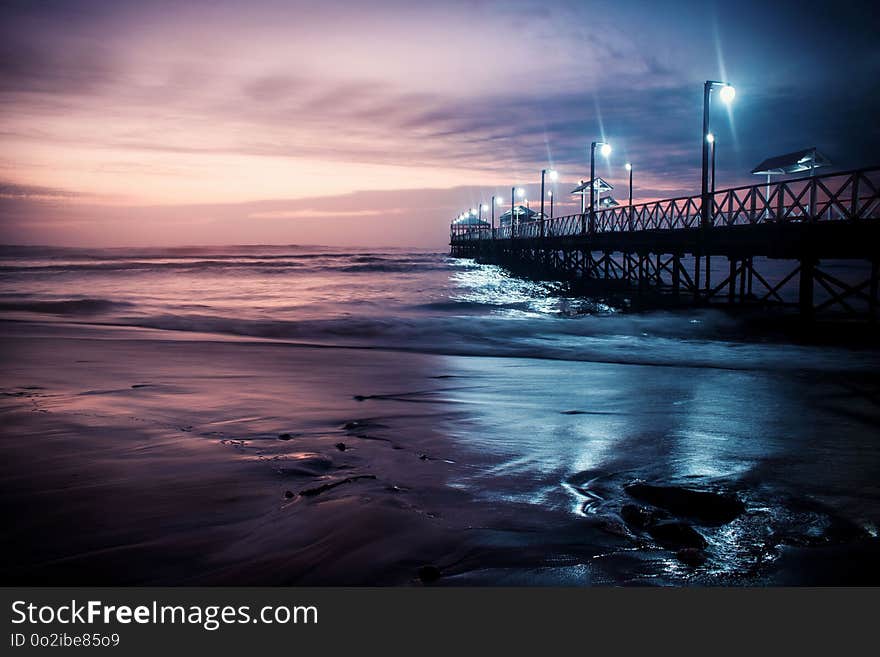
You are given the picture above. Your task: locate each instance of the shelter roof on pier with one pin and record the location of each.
(602, 185)
(521, 212)
(607, 202)
(796, 162)
(469, 220)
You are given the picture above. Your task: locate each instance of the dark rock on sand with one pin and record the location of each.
(676, 535)
(284, 436)
(704, 507)
(429, 573)
(614, 528)
(691, 557)
(424, 457)
(639, 517)
(341, 447)
(288, 494)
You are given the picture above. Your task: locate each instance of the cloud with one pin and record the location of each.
(312, 213)
(282, 99)
(12, 191)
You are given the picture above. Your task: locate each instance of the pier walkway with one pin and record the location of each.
(783, 243)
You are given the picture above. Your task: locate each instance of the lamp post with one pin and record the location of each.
(629, 167)
(711, 139)
(550, 194)
(606, 151)
(553, 177)
(727, 94)
(514, 192)
(495, 200)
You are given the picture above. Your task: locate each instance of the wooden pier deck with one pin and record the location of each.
(775, 242)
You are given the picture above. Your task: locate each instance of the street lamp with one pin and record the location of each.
(496, 200)
(514, 192)
(553, 177)
(711, 139)
(727, 93)
(550, 194)
(606, 151)
(629, 167)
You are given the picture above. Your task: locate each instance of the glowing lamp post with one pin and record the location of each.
(553, 177)
(605, 150)
(496, 200)
(514, 192)
(727, 93)
(711, 139)
(629, 167)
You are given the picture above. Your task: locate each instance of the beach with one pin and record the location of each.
(411, 419)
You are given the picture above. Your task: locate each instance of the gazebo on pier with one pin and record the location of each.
(602, 186)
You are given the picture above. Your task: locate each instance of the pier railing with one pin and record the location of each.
(848, 195)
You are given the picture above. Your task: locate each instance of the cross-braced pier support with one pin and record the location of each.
(812, 244)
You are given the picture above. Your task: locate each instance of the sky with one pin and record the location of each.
(374, 123)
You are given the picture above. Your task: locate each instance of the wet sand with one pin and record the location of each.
(131, 456)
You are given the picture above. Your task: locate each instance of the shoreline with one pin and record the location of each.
(162, 462)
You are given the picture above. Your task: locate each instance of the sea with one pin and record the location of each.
(317, 415)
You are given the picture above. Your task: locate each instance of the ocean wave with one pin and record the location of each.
(622, 339)
(262, 266)
(65, 307)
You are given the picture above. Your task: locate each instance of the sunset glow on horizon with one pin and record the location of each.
(340, 123)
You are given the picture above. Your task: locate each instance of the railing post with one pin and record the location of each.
(780, 201)
(812, 217)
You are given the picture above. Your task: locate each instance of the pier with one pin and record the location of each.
(770, 244)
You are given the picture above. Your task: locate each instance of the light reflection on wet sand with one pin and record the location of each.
(138, 460)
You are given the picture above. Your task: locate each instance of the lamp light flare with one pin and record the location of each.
(553, 174)
(727, 93)
(710, 138)
(520, 192)
(485, 207)
(628, 166)
(499, 200)
(605, 150)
